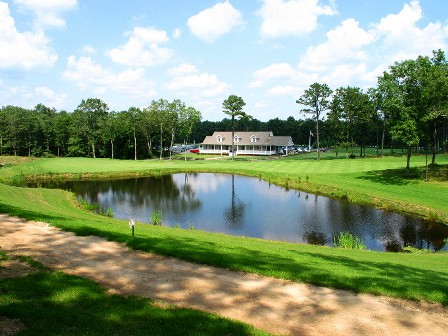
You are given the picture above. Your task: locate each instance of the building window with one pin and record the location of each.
(219, 138)
(237, 138)
(253, 138)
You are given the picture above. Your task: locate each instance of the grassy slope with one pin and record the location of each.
(53, 303)
(414, 276)
(360, 180)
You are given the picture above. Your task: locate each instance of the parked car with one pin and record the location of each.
(194, 150)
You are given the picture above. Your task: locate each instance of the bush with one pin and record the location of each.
(347, 240)
(156, 217)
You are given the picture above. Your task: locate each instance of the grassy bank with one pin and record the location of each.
(412, 276)
(377, 181)
(53, 303)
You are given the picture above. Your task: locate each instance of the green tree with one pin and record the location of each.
(62, 132)
(354, 108)
(133, 114)
(91, 114)
(316, 98)
(188, 118)
(233, 107)
(46, 120)
(407, 99)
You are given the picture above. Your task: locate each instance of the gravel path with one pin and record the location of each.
(274, 305)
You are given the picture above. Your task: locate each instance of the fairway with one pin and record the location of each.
(370, 181)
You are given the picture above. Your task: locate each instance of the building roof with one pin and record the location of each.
(247, 138)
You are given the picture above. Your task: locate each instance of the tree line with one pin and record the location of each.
(408, 108)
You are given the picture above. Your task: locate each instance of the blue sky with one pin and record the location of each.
(128, 53)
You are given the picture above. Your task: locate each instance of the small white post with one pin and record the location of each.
(132, 225)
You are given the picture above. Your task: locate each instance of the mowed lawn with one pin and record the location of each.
(378, 181)
(416, 276)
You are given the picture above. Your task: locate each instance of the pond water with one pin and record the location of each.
(246, 206)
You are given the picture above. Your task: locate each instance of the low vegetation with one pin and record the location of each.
(416, 276)
(47, 302)
(348, 240)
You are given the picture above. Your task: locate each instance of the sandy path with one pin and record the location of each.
(274, 305)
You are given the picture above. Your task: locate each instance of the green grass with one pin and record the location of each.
(54, 303)
(379, 181)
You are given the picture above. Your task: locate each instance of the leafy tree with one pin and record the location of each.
(356, 111)
(188, 118)
(90, 117)
(410, 97)
(233, 107)
(46, 121)
(317, 100)
(132, 120)
(62, 131)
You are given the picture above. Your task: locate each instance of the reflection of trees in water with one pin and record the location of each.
(424, 236)
(147, 192)
(315, 238)
(235, 214)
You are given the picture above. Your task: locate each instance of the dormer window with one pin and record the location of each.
(237, 138)
(219, 138)
(253, 138)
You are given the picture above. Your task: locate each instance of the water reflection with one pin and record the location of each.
(234, 214)
(246, 206)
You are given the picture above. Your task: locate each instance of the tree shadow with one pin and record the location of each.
(390, 177)
(53, 303)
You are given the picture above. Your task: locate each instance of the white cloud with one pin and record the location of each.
(91, 76)
(25, 50)
(283, 90)
(48, 12)
(183, 69)
(29, 97)
(401, 38)
(88, 49)
(215, 21)
(177, 33)
(345, 43)
(291, 17)
(352, 55)
(143, 48)
(187, 81)
(277, 70)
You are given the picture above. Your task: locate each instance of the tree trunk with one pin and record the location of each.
(112, 149)
(317, 136)
(408, 161)
(161, 142)
(383, 137)
(135, 147)
(172, 142)
(233, 135)
(434, 145)
(93, 150)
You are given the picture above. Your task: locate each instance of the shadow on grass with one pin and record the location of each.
(53, 303)
(29, 214)
(390, 177)
(399, 176)
(393, 275)
(329, 270)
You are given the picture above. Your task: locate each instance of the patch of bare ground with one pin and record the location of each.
(278, 306)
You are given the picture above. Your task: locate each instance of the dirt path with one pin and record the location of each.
(274, 305)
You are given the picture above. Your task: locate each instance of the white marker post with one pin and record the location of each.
(132, 225)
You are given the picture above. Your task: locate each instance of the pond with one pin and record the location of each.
(246, 206)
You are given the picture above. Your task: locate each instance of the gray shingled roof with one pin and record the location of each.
(263, 138)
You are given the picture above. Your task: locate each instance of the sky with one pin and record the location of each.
(129, 53)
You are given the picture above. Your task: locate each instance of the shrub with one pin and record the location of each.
(156, 217)
(348, 240)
